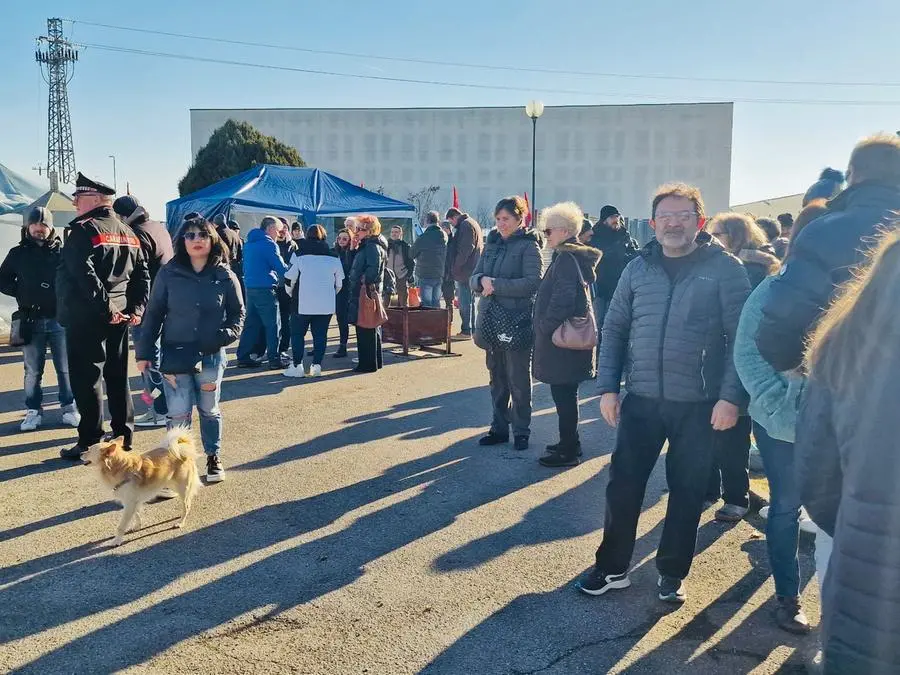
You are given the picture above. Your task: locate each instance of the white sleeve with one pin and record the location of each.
(338, 277)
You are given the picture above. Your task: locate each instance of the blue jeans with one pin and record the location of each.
(202, 389)
(782, 527)
(466, 306)
(300, 323)
(262, 316)
(46, 332)
(159, 403)
(430, 292)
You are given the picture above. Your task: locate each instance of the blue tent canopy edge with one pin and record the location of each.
(287, 189)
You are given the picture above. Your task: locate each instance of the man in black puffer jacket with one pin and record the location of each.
(822, 257)
(670, 329)
(28, 273)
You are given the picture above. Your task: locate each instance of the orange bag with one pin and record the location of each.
(415, 299)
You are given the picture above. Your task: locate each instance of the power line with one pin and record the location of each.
(468, 85)
(482, 66)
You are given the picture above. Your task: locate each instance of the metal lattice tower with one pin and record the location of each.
(58, 67)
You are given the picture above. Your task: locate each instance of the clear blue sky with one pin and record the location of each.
(136, 107)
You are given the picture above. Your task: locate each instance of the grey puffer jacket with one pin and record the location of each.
(197, 314)
(516, 266)
(675, 341)
(848, 469)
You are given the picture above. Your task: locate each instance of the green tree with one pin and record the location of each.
(235, 147)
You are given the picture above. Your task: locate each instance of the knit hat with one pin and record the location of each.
(829, 184)
(40, 214)
(125, 205)
(608, 211)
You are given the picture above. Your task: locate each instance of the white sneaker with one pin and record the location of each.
(806, 523)
(764, 513)
(294, 371)
(72, 418)
(32, 420)
(315, 371)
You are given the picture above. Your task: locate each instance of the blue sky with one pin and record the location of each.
(136, 107)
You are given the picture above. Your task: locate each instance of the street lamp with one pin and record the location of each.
(113, 158)
(534, 109)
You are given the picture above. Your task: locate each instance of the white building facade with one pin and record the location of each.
(593, 155)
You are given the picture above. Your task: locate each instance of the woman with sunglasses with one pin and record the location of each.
(196, 305)
(368, 273)
(564, 294)
(344, 251)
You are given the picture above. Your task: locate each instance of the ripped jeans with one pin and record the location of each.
(203, 389)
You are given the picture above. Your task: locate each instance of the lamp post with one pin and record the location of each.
(113, 158)
(534, 109)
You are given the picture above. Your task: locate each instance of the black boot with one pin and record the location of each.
(341, 352)
(493, 439)
(554, 446)
(563, 455)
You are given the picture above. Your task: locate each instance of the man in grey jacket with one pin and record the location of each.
(429, 252)
(670, 328)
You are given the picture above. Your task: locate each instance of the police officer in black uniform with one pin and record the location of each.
(102, 287)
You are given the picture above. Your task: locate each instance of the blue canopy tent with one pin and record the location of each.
(284, 189)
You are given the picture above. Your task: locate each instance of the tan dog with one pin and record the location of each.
(136, 479)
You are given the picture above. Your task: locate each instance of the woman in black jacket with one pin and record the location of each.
(747, 241)
(368, 273)
(343, 249)
(507, 278)
(562, 295)
(196, 304)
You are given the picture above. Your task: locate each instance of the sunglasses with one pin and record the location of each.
(202, 235)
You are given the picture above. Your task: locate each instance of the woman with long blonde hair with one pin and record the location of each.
(849, 464)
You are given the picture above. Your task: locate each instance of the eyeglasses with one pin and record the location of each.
(202, 235)
(679, 216)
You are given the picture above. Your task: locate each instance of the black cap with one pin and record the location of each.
(83, 184)
(40, 214)
(607, 211)
(125, 206)
(219, 220)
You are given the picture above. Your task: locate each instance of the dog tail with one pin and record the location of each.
(180, 442)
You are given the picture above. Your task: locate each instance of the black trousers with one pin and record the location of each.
(99, 355)
(644, 427)
(340, 313)
(368, 347)
(448, 290)
(565, 396)
(732, 455)
(510, 373)
(284, 309)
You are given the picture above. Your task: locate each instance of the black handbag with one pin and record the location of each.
(506, 329)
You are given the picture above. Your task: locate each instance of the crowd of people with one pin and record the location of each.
(724, 332)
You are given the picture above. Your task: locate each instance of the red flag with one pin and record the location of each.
(362, 185)
(455, 198)
(527, 210)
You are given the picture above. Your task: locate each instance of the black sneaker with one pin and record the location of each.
(73, 453)
(790, 617)
(248, 364)
(554, 446)
(671, 589)
(341, 352)
(215, 473)
(597, 582)
(559, 459)
(493, 439)
(521, 443)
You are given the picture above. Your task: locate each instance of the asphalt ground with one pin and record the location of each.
(361, 529)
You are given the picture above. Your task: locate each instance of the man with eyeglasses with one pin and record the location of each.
(672, 322)
(102, 287)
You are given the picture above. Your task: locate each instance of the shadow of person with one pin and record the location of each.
(466, 476)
